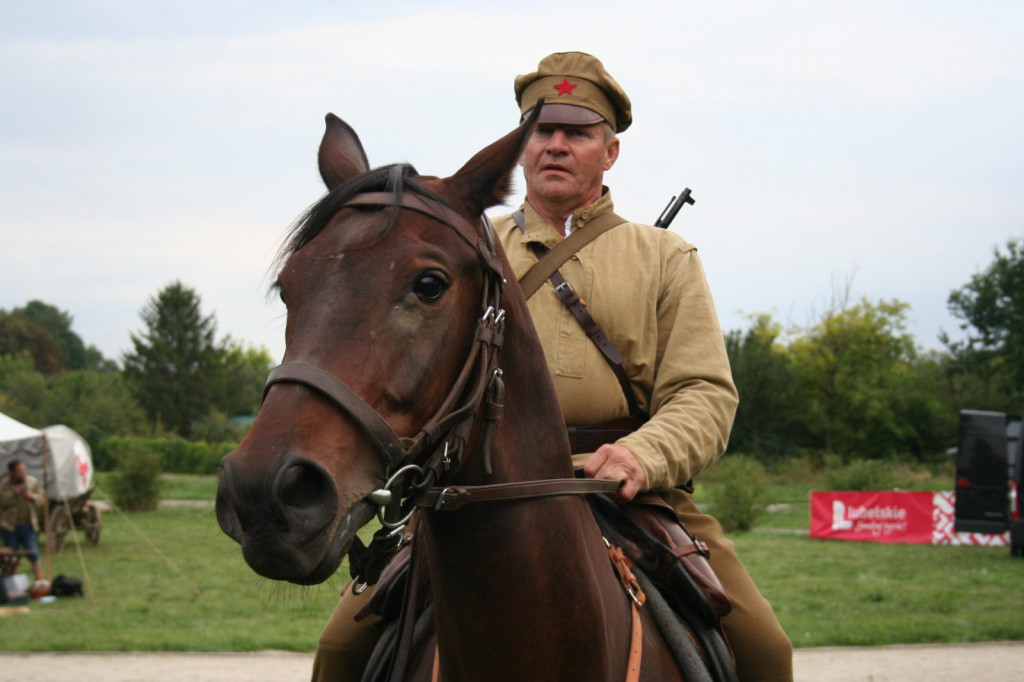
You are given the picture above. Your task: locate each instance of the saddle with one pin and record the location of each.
(672, 562)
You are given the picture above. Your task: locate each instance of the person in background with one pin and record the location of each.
(21, 501)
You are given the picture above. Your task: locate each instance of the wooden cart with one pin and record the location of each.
(80, 514)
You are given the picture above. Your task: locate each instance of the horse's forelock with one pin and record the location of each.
(394, 178)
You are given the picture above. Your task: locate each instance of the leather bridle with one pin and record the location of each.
(478, 391)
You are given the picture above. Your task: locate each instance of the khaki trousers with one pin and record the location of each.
(763, 651)
(345, 645)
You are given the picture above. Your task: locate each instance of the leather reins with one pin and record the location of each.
(478, 391)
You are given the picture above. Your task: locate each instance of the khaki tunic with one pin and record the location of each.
(16, 510)
(646, 287)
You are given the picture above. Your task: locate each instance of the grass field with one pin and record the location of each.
(170, 580)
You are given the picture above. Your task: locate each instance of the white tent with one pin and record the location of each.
(57, 456)
(71, 460)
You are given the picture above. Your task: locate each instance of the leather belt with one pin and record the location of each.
(590, 438)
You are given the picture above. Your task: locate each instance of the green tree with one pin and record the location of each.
(763, 372)
(19, 334)
(856, 368)
(991, 306)
(176, 367)
(96, 404)
(58, 323)
(244, 374)
(22, 388)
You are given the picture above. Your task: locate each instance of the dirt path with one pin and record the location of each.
(990, 662)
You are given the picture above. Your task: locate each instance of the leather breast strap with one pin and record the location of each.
(547, 266)
(543, 269)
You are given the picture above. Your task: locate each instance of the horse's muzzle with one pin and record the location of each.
(286, 518)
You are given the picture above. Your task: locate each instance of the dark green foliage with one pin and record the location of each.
(175, 455)
(136, 480)
(764, 375)
(44, 331)
(22, 388)
(93, 403)
(96, 404)
(738, 491)
(75, 353)
(176, 365)
(18, 334)
(852, 383)
(991, 306)
(180, 373)
(861, 474)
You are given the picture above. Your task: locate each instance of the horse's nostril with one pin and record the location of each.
(305, 485)
(227, 515)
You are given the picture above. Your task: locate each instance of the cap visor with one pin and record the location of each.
(568, 114)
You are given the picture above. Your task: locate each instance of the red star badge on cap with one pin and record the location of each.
(565, 87)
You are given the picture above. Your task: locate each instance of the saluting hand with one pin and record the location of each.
(615, 462)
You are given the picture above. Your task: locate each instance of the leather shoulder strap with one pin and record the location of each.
(592, 329)
(536, 275)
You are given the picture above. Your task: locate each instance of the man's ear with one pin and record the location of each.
(612, 153)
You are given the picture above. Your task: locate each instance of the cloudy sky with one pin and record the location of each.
(870, 146)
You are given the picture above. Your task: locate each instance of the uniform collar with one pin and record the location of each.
(537, 230)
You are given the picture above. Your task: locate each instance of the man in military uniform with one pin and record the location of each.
(645, 287)
(21, 500)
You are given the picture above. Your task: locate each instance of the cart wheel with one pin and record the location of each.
(60, 524)
(93, 524)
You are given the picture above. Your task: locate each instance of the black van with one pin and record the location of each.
(989, 475)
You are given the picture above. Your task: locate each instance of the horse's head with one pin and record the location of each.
(382, 280)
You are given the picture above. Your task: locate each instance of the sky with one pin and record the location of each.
(860, 149)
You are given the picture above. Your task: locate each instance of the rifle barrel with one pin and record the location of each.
(674, 205)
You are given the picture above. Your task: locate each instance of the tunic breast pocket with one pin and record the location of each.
(570, 360)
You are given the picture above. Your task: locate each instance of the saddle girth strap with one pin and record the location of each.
(623, 568)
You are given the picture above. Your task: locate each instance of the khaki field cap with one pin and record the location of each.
(576, 90)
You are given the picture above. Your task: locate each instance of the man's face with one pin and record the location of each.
(18, 473)
(565, 164)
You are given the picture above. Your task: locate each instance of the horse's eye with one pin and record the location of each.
(429, 287)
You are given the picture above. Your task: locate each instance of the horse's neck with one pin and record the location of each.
(535, 570)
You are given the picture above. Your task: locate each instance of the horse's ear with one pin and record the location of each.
(341, 155)
(486, 179)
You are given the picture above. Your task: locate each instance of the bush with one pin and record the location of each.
(136, 481)
(176, 455)
(215, 427)
(739, 491)
(861, 474)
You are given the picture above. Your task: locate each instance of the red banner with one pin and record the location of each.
(872, 516)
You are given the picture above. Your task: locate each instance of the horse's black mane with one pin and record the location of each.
(394, 178)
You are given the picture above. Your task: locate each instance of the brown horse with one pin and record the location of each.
(393, 331)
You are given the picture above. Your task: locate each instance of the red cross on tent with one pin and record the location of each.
(83, 469)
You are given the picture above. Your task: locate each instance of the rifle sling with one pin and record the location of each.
(548, 263)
